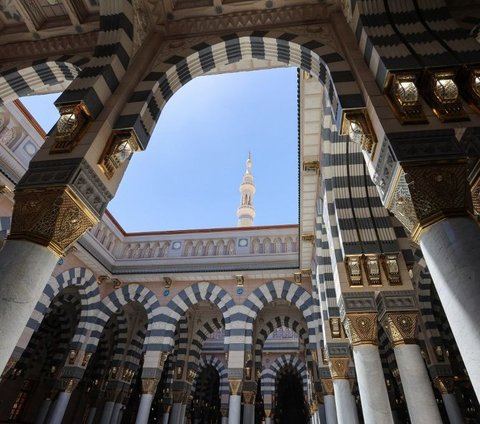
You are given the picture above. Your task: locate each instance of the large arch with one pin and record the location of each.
(223, 374)
(172, 72)
(296, 363)
(285, 290)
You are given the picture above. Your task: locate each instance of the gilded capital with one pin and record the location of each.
(400, 327)
(178, 396)
(361, 328)
(54, 217)
(235, 386)
(339, 367)
(149, 385)
(69, 384)
(327, 386)
(428, 193)
(249, 397)
(444, 385)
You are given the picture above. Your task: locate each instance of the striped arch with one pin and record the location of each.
(188, 297)
(296, 363)
(181, 342)
(270, 327)
(146, 103)
(199, 338)
(81, 278)
(285, 290)
(40, 77)
(115, 301)
(135, 350)
(98, 80)
(217, 363)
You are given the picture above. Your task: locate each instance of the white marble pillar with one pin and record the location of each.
(322, 419)
(25, 268)
(182, 413)
(234, 409)
(120, 416)
(330, 409)
(344, 402)
(268, 420)
(371, 383)
(91, 414)
(452, 408)
(42, 414)
(452, 250)
(421, 403)
(165, 417)
(175, 413)
(144, 408)
(248, 413)
(224, 420)
(107, 412)
(115, 412)
(60, 407)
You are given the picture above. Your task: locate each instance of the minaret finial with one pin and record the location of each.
(246, 211)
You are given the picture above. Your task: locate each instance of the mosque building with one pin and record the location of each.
(366, 311)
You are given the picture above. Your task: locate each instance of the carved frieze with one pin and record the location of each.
(54, 217)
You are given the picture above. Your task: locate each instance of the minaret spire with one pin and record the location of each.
(246, 211)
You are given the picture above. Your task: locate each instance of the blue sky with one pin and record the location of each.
(189, 176)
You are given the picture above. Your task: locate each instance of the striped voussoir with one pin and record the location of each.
(224, 390)
(271, 326)
(98, 80)
(199, 338)
(114, 302)
(84, 280)
(174, 70)
(176, 308)
(120, 334)
(407, 35)
(293, 362)
(39, 77)
(181, 342)
(275, 290)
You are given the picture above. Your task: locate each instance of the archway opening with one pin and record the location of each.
(290, 404)
(205, 405)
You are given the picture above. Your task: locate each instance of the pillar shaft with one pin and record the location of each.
(344, 402)
(421, 403)
(42, 414)
(330, 409)
(451, 249)
(165, 417)
(248, 413)
(234, 410)
(175, 414)
(453, 410)
(25, 268)
(60, 407)
(144, 408)
(107, 412)
(91, 414)
(371, 382)
(116, 412)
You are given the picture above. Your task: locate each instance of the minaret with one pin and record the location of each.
(246, 211)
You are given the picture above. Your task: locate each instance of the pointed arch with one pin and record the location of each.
(143, 109)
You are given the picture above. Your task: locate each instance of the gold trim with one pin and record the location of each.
(339, 368)
(361, 328)
(235, 386)
(327, 386)
(445, 385)
(400, 327)
(54, 217)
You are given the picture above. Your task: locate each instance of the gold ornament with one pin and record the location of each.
(53, 217)
(361, 328)
(149, 385)
(327, 386)
(339, 367)
(234, 386)
(400, 327)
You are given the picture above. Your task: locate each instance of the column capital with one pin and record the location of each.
(428, 192)
(268, 413)
(54, 217)
(149, 386)
(178, 396)
(249, 397)
(401, 327)
(68, 385)
(235, 386)
(361, 328)
(445, 385)
(327, 386)
(339, 367)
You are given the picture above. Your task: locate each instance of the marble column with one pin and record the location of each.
(234, 409)
(446, 387)
(144, 408)
(25, 268)
(182, 413)
(42, 414)
(344, 402)
(421, 403)
(107, 412)
(330, 410)
(451, 248)
(60, 407)
(248, 413)
(116, 412)
(224, 420)
(165, 417)
(176, 412)
(91, 414)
